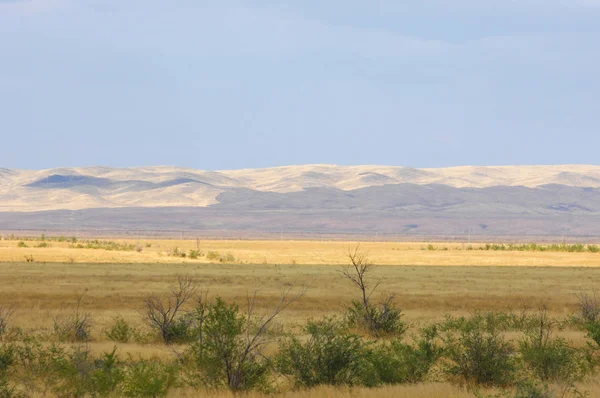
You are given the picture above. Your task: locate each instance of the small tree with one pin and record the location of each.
(230, 345)
(384, 318)
(162, 313)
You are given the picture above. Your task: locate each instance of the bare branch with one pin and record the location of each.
(160, 312)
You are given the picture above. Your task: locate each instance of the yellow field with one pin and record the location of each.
(427, 284)
(293, 252)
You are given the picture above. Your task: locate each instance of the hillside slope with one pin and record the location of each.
(319, 199)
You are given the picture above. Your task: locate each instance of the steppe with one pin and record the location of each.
(429, 280)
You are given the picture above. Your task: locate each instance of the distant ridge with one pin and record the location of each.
(93, 187)
(328, 199)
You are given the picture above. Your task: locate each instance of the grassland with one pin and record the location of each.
(427, 284)
(288, 252)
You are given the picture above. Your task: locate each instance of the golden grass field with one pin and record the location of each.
(427, 284)
(295, 252)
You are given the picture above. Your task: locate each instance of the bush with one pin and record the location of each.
(120, 331)
(385, 319)
(551, 359)
(330, 356)
(7, 359)
(22, 244)
(107, 375)
(480, 357)
(165, 313)
(229, 347)
(397, 362)
(148, 378)
(489, 321)
(74, 327)
(194, 254)
(363, 313)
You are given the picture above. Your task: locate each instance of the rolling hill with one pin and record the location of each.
(546, 201)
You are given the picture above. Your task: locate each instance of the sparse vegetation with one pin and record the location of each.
(222, 258)
(74, 326)
(535, 247)
(222, 343)
(166, 313)
(103, 245)
(382, 319)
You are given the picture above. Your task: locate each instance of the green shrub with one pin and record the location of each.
(22, 244)
(551, 360)
(228, 351)
(330, 356)
(397, 362)
(120, 331)
(480, 357)
(385, 319)
(489, 321)
(107, 375)
(194, 254)
(148, 378)
(180, 330)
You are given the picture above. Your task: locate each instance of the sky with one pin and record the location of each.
(234, 84)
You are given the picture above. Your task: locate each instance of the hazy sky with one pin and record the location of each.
(254, 83)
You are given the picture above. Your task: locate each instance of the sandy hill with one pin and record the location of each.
(525, 200)
(94, 187)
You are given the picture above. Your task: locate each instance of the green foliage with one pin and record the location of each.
(223, 353)
(385, 319)
(534, 247)
(120, 331)
(148, 378)
(101, 245)
(397, 362)
(22, 244)
(180, 330)
(42, 245)
(593, 332)
(330, 356)
(194, 254)
(480, 357)
(489, 320)
(551, 360)
(107, 375)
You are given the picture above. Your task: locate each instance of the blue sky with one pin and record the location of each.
(241, 83)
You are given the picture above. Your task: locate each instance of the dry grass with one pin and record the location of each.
(456, 281)
(425, 390)
(425, 293)
(294, 252)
